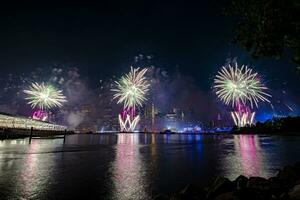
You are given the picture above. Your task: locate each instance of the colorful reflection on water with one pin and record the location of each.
(128, 171)
(251, 155)
(247, 158)
(134, 166)
(28, 173)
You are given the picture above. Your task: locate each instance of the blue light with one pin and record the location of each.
(262, 117)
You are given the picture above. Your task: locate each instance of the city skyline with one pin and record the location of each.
(78, 48)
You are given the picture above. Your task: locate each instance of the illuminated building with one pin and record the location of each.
(174, 120)
(89, 122)
(8, 121)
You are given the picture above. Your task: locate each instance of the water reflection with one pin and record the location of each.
(29, 171)
(134, 166)
(35, 171)
(250, 152)
(25, 169)
(248, 158)
(128, 169)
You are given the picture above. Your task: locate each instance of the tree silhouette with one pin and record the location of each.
(266, 28)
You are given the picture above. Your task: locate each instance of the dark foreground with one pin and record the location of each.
(285, 185)
(135, 166)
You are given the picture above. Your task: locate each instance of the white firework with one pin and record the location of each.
(234, 85)
(128, 125)
(44, 96)
(132, 88)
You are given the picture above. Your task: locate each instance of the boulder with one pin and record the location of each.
(226, 196)
(192, 192)
(161, 197)
(220, 185)
(276, 187)
(258, 183)
(294, 193)
(241, 182)
(297, 169)
(287, 175)
(284, 196)
(297, 182)
(252, 194)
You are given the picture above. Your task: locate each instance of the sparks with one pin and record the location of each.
(44, 96)
(128, 125)
(132, 88)
(40, 115)
(234, 85)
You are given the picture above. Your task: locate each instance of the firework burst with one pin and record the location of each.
(44, 96)
(132, 88)
(234, 85)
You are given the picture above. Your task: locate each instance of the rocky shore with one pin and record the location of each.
(284, 186)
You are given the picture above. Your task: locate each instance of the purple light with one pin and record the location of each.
(40, 115)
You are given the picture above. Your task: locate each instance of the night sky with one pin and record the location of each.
(102, 39)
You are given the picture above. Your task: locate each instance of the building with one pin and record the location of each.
(9, 121)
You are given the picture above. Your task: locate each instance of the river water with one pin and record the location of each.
(134, 166)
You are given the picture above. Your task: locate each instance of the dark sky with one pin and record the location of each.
(102, 38)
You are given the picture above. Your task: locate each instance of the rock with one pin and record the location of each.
(258, 183)
(174, 197)
(192, 192)
(287, 175)
(161, 197)
(276, 187)
(251, 193)
(284, 196)
(220, 185)
(294, 194)
(297, 182)
(285, 186)
(241, 182)
(297, 169)
(226, 196)
(297, 165)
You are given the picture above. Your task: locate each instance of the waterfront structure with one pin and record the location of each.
(9, 121)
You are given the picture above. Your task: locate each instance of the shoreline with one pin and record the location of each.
(204, 133)
(19, 134)
(284, 186)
